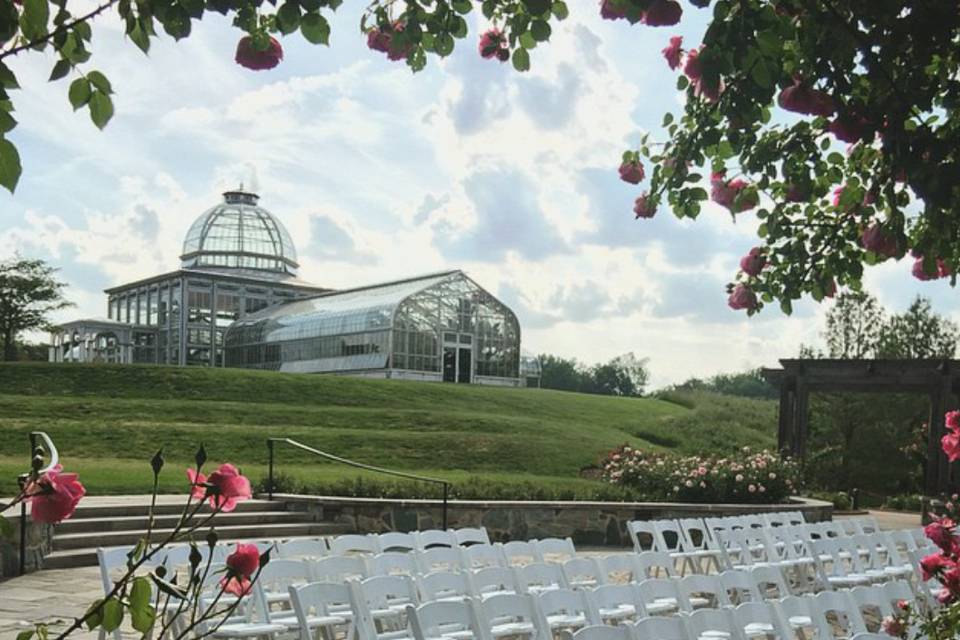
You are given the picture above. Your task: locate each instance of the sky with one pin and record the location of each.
(379, 173)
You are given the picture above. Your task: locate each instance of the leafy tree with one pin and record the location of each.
(625, 375)
(560, 373)
(29, 293)
(854, 325)
(775, 91)
(31, 352)
(918, 332)
(746, 384)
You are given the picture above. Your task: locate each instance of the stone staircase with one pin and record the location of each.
(109, 522)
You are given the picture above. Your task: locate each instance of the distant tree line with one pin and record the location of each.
(625, 375)
(747, 384)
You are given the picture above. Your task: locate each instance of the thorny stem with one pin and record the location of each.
(64, 27)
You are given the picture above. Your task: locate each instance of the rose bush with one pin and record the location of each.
(745, 476)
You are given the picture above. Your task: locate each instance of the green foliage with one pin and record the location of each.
(904, 502)
(748, 384)
(840, 500)
(29, 293)
(110, 418)
(624, 375)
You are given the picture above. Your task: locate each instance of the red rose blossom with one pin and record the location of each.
(673, 51)
(225, 487)
(378, 40)
(610, 12)
(662, 13)
(742, 297)
(643, 207)
(800, 98)
(874, 238)
(54, 496)
(754, 262)
(251, 58)
(631, 171)
(245, 560)
(492, 43)
(691, 68)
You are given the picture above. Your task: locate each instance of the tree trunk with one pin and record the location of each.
(9, 349)
(845, 459)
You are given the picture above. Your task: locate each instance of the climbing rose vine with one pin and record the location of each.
(828, 125)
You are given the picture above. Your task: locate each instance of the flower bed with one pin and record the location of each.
(746, 477)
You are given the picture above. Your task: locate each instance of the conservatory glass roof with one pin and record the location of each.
(239, 234)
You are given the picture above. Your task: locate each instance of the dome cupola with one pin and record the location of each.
(239, 234)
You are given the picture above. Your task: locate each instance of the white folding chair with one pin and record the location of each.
(386, 599)
(393, 563)
(339, 568)
(469, 536)
(539, 577)
(703, 591)
(655, 564)
(620, 568)
(661, 628)
(662, 595)
(554, 550)
(797, 615)
(445, 619)
(320, 605)
(583, 572)
(760, 619)
(519, 552)
(765, 578)
(478, 556)
(512, 615)
(871, 603)
(643, 535)
(444, 585)
(491, 581)
(431, 538)
(440, 559)
(883, 555)
(277, 576)
(844, 613)
(302, 548)
(598, 632)
(354, 543)
(826, 553)
(616, 603)
(739, 587)
(670, 540)
(709, 624)
(396, 541)
(566, 609)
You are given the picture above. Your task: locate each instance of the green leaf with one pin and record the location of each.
(25, 635)
(6, 528)
(95, 615)
(6, 124)
(288, 17)
(33, 21)
(79, 93)
(540, 30)
(10, 168)
(143, 619)
(527, 41)
(101, 109)
(60, 69)
(112, 614)
(521, 59)
(560, 10)
(140, 592)
(443, 44)
(7, 79)
(139, 36)
(462, 6)
(537, 7)
(100, 81)
(315, 28)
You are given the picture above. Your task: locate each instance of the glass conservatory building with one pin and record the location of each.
(236, 301)
(441, 326)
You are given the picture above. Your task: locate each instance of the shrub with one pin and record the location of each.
(749, 477)
(841, 501)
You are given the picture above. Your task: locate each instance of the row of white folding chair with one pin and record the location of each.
(395, 541)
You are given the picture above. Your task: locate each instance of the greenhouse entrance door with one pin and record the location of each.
(458, 358)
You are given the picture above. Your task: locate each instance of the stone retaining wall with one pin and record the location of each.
(588, 523)
(39, 544)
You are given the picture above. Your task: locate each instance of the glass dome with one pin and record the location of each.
(239, 234)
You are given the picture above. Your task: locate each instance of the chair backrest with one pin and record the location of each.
(555, 549)
(318, 599)
(540, 576)
(383, 592)
(708, 586)
(870, 602)
(438, 619)
(643, 534)
(601, 632)
(621, 568)
(850, 526)
(654, 564)
(583, 572)
(739, 587)
(775, 519)
(669, 536)
(302, 548)
(897, 591)
(567, 602)
(868, 524)
(478, 556)
(492, 580)
(519, 552)
(696, 534)
(396, 541)
(614, 596)
(440, 559)
(512, 608)
(469, 536)
(662, 628)
(713, 622)
(393, 563)
(751, 614)
(660, 590)
(277, 575)
(797, 614)
(354, 543)
(340, 568)
(833, 609)
(765, 577)
(444, 585)
(431, 538)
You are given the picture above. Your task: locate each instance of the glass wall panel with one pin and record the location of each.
(152, 307)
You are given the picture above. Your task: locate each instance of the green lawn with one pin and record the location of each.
(108, 420)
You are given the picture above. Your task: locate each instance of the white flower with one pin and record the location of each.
(688, 483)
(752, 488)
(739, 478)
(772, 476)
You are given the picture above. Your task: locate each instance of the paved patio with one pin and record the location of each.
(55, 596)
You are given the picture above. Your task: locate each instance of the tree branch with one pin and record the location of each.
(64, 27)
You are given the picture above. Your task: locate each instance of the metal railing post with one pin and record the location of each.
(446, 491)
(23, 538)
(270, 469)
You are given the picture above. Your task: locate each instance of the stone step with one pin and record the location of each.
(170, 505)
(84, 556)
(139, 523)
(255, 531)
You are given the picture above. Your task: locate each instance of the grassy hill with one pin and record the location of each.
(108, 420)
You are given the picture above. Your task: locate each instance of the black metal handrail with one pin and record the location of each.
(54, 461)
(353, 463)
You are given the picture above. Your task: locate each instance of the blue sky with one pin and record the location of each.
(379, 173)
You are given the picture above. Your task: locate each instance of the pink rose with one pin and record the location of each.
(849, 129)
(225, 487)
(673, 51)
(940, 533)
(892, 626)
(691, 67)
(754, 262)
(236, 585)
(197, 490)
(952, 419)
(631, 171)
(396, 51)
(245, 560)
(644, 207)
(728, 195)
(950, 444)
(378, 40)
(251, 58)
(874, 238)
(609, 11)
(933, 564)
(492, 43)
(919, 273)
(800, 98)
(742, 297)
(662, 13)
(54, 496)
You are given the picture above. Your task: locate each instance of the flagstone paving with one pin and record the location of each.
(55, 596)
